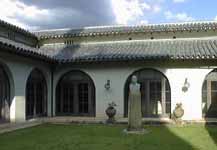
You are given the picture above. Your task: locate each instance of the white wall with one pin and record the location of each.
(18, 70)
(190, 99)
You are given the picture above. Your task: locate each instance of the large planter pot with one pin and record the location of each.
(178, 112)
(111, 112)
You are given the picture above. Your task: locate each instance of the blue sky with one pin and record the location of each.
(177, 11)
(196, 9)
(48, 14)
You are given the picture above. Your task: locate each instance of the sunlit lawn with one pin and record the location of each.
(102, 137)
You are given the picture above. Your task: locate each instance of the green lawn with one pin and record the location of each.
(102, 137)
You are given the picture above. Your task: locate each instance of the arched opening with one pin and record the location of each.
(4, 96)
(209, 95)
(155, 93)
(75, 95)
(36, 95)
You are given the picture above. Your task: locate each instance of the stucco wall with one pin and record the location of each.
(118, 75)
(18, 70)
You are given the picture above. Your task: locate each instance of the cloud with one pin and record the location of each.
(143, 22)
(50, 14)
(178, 17)
(47, 14)
(127, 11)
(215, 18)
(156, 8)
(179, 1)
(11, 8)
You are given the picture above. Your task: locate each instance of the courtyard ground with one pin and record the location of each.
(109, 137)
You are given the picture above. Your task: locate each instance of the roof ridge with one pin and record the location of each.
(150, 40)
(120, 25)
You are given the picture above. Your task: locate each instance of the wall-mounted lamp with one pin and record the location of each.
(107, 85)
(186, 85)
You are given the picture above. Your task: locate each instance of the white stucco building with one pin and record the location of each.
(63, 72)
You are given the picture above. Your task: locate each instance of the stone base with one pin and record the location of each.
(141, 131)
(110, 121)
(179, 122)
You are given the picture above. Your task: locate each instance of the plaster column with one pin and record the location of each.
(163, 95)
(18, 104)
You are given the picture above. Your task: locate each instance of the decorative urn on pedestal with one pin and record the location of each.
(178, 113)
(111, 112)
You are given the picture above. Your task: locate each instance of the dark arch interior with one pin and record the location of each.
(155, 92)
(4, 96)
(75, 95)
(36, 95)
(209, 95)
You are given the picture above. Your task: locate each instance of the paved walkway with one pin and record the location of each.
(8, 127)
(101, 120)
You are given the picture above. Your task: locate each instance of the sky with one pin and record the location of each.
(53, 14)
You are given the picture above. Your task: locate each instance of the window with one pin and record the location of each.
(36, 95)
(4, 96)
(75, 95)
(155, 93)
(209, 95)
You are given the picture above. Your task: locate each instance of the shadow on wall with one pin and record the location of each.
(67, 51)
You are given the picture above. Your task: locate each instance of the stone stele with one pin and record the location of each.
(134, 106)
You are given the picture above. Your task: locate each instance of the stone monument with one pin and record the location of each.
(134, 106)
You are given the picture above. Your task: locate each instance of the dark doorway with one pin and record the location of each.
(75, 95)
(209, 95)
(155, 93)
(36, 95)
(4, 96)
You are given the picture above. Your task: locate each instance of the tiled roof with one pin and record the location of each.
(22, 49)
(195, 48)
(106, 30)
(180, 48)
(16, 28)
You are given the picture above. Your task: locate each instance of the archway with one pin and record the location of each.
(4, 96)
(36, 95)
(155, 93)
(75, 95)
(209, 95)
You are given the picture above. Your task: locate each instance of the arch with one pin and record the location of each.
(209, 95)
(155, 92)
(36, 94)
(5, 95)
(75, 94)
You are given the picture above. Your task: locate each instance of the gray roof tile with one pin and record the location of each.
(16, 28)
(187, 48)
(106, 30)
(198, 48)
(19, 48)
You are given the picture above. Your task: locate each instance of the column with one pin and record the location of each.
(76, 99)
(208, 93)
(147, 107)
(163, 96)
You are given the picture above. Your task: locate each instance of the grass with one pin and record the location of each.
(102, 137)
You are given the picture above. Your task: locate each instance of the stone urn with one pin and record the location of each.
(178, 113)
(111, 112)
